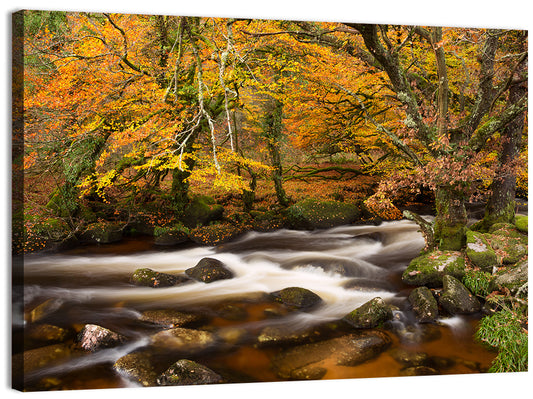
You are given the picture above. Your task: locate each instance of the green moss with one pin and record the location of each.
(314, 214)
(521, 223)
(479, 251)
(428, 269)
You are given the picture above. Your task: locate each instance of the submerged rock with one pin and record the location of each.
(93, 337)
(137, 367)
(187, 372)
(315, 214)
(150, 278)
(46, 332)
(35, 359)
(424, 304)
(170, 318)
(209, 270)
(369, 315)
(428, 269)
(456, 299)
(310, 360)
(297, 298)
(44, 309)
(183, 340)
(409, 358)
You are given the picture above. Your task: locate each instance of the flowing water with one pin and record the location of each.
(346, 266)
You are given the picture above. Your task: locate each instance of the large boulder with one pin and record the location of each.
(479, 251)
(312, 214)
(187, 372)
(137, 367)
(456, 299)
(171, 235)
(216, 234)
(93, 337)
(369, 315)
(183, 340)
(208, 270)
(430, 268)
(310, 361)
(424, 304)
(201, 210)
(509, 241)
(297, 298)
(150, 278)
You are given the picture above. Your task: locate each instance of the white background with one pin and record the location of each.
(471, 13)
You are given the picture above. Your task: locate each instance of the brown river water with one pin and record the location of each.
(346, 266)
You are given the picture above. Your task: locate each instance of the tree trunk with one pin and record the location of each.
(273, 134)
(501, 204)
(451, 219)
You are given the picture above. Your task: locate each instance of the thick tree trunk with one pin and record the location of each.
(501, 205)
(451, 219)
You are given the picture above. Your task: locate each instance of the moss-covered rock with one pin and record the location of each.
(456, 298)
(520, 222)
(513, 278)
(508, 242)
(215, 234)
(424, 304)
(201, 210)
(170, 235)
(102, 233)
(170, 317)
(315, 214)
(369, 315)
(150, 278)
(430, 268)
(480, 252)
(187, 372)
(208, 270)
(297, 298)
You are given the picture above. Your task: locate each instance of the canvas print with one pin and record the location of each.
(202, 200)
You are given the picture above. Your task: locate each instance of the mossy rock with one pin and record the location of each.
(480, 252)
(150, 278)
(215, 234)
(521, 223)
(508, 241)
(171, 317)
(102, 233)
(455, 298)
(311, 214)
(187, 372)
(369, 315)
(201, 211)
(424, 304)
(430, 268)
(208, 270)
(137, 366)
(297, 298)
(512, 278)
(171, 235)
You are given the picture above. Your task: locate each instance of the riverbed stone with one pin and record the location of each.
(297, 298)
(428, 269)
(35, 359)
(46, 332)
(93, 337)
(170, 317)
(409, 358)
(309, 361)
(183, 340)
(208, 270)
(424, 304)
(418, 371)
(44, 309)
(188, 372)
(150, 278)
(137, 366)
(311, 214)
(455, 298)
(480, 252)
(369, 315)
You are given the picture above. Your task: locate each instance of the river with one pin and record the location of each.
(346, 266)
